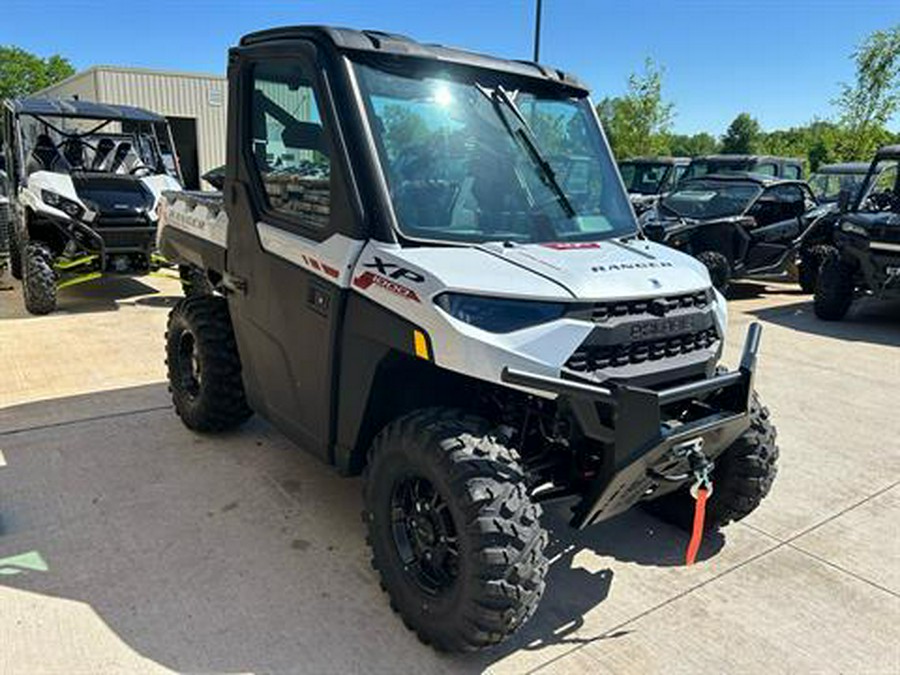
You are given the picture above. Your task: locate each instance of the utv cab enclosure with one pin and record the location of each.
(649, 178)
(865, 260)
(764, 165)
(423, 266)
(86, 179)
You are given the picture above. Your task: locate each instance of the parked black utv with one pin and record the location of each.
(764, 165)
(739, 225)
(865, 260)
(649, 178)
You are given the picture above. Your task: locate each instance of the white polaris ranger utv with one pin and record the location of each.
(424, 266)
(86, 180)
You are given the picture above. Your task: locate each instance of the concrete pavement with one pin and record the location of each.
(130, 544)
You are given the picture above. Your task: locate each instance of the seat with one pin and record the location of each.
(73, 151)
(104, 148)
(45, 156)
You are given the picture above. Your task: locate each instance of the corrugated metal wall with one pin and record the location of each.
(200, 97)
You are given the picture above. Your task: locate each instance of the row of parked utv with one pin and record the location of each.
(751, 216)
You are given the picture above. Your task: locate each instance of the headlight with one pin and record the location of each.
(498, 315)
(57, 201)
(852, 228)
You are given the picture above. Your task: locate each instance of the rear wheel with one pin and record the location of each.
(39, 279)
(204, 366)
(15, 253)
(834, 289)
(741, 479)
(194, 281)
(811, 260)
(719, 269)
(455, 537)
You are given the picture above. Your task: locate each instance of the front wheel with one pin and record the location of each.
(719, 269)
(204, 366)
(741, 479)
(454, 535)
(39, 279)
(811, 260)
(834, 289)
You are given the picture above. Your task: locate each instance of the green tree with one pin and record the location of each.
(638, 123)
(684, 145)
(743, 136)
(869, 103)
(23, 73)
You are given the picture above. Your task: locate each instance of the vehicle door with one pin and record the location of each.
(778, 214)
(293, 236)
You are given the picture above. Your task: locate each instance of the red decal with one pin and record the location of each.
(366, 279)
(570, 245)
(330, 271)
(315, 264)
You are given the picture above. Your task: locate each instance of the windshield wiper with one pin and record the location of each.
(499, 98)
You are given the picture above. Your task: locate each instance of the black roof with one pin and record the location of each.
(657, 160)
(743, 158)
(888, 151)
(379, 42)
(54, 107)
(844, 167)
(762, 179)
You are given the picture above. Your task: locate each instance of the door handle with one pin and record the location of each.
(318, 299)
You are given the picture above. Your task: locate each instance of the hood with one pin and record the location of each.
(113, 195)
(609, 269)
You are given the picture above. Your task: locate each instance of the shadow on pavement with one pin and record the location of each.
(869, 320)
(239, 552)
(99, 295)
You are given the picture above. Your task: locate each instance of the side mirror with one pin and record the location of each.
(843, 200)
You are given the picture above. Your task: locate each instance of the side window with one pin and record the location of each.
(289, 143)
(765, 169)
(792, 171)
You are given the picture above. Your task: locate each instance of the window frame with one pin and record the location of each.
(346, 207)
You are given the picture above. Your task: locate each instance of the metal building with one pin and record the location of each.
(194, 104)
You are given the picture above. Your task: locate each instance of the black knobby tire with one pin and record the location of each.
(203, 365)
(719, 269)
(494, 581)
(15, 253)
(811, 260)
(39, 279)
(194, 281)
(834, 289)
(742, 477)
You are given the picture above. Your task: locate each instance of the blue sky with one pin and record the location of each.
(779, 60)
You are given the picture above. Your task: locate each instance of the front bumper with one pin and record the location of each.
(645, 438)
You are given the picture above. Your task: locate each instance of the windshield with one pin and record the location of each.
(827, 186)
(704, 167)
(882, 190)
(64, 145)
(702, 199)
(643, 178)
(461, 166)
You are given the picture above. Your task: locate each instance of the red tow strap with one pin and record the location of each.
(697, 532)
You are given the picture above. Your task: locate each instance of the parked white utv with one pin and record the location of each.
(424, 268)
(86, 181)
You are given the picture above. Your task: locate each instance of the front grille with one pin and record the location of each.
(124, 232)
(602, 311)
(590, 358)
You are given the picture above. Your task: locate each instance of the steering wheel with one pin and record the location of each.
(140, 167)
